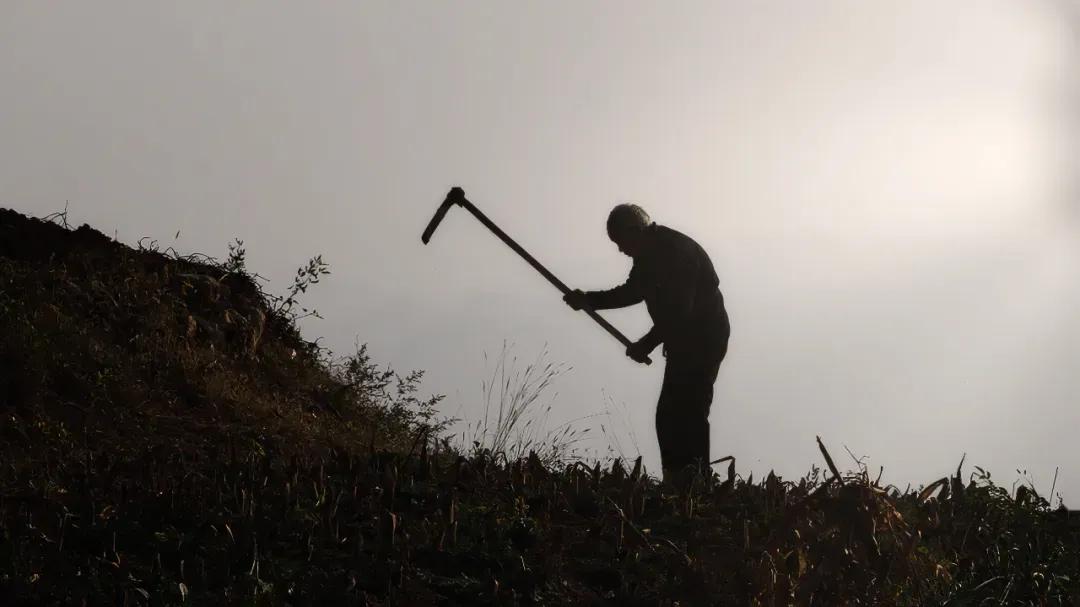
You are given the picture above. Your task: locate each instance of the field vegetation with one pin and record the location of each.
(168, 437)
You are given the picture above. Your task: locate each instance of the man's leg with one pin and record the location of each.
(667, 430)
(682, 413)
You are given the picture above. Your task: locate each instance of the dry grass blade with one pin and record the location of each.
(929, 489)
(829, 461)
(626, 521)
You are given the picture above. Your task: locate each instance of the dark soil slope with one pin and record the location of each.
(130, 346)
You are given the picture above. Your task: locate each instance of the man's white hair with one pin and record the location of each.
(627, 218)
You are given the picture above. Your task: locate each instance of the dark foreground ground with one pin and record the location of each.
(167, 438)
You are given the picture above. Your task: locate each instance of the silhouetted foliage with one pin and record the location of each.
(165, 443)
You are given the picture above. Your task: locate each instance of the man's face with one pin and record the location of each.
(629, 243)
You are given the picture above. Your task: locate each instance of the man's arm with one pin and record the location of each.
(640, 349)
(650, 340)
(626, 294)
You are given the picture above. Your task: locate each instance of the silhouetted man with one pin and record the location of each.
(675, 278)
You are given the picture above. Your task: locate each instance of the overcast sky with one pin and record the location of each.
(888, 190)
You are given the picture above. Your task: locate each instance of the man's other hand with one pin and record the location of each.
(638, 352)
(576, 299)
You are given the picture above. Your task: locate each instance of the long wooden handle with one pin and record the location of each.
(464, 202)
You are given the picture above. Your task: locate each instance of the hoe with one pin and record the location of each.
(457, 196)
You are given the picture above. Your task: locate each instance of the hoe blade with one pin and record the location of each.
(456, 194)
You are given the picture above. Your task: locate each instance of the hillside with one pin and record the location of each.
(168, 437)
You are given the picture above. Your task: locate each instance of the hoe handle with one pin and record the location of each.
(458, 196)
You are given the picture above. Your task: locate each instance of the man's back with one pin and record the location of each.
(679, 285)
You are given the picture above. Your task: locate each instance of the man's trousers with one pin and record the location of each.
(682, 413)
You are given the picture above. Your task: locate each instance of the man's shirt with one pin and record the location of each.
(675, 278)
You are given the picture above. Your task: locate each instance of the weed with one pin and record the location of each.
(517, 419)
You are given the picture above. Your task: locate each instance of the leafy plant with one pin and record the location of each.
(236, 261)
(393, 398)
(306, 276)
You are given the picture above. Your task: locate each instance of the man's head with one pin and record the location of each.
(627, 227)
